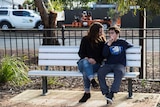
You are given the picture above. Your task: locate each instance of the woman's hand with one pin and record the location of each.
(91, 60)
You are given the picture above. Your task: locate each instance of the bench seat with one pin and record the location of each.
(74, 74)
(67, 56)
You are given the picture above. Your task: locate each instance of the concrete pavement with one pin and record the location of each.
(69, 98)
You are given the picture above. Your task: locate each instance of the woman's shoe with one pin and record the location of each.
(94, 83)
(85, 97)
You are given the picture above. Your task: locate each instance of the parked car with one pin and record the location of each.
(19, 18)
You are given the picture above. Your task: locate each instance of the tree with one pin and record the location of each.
(123, 6)
(49, 21)
(47, 9)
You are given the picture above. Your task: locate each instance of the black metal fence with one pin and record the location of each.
(25, 43)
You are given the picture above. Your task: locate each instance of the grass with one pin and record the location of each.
(13, 70)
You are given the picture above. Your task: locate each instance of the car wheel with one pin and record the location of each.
(40, 26)
(5, 25)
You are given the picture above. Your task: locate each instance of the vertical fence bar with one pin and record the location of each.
(5, 47)
(69, 37)
(29, 57)
(147, 35)
(16, 38)
(63, 42)
(159, 54)
(22, 45)
(152, 54)
(63, 39)
(142, 71)
(10, 43)
(34, 47)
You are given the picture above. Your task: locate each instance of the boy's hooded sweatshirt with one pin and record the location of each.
(116, 53)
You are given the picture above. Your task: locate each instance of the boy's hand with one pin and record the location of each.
(110, 41)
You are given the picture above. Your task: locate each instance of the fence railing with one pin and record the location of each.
(25, 43)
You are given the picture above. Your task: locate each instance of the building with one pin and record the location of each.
(10, 3)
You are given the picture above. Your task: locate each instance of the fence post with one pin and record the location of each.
(63, 39)
(63, 43)
(142, 42)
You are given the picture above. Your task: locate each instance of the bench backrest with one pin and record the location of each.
(68, 56)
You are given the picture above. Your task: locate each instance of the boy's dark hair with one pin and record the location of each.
(115, 28)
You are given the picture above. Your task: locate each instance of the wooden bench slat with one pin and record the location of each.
(75, 56)
(58, 56)
(42, 62)
(58, 49)
(133, 57)
(135, 49)
(75, 49)
(57, 62)
(75, 73)
(133, 63)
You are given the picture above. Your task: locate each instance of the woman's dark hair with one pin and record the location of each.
(93, 33)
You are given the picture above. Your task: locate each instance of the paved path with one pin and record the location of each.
(66, 98)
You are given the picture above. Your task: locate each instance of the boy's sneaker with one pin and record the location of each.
(85, 97)
(109, 98)
(94, 83)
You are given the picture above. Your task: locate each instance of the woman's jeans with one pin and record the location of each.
(88, 70)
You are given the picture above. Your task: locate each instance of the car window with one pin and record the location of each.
(25, 13)
(17, 13)
(21, 13)
(3, 12)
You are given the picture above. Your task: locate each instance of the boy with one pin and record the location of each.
(114, 52)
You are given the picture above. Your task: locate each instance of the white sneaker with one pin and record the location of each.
(109, 98)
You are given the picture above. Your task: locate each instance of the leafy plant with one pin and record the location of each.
(54, 80)
(143, 83)
(13, 70)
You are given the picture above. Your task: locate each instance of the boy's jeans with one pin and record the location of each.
(88, 70)
(118, 71)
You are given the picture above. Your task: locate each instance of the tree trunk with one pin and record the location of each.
(49, 21)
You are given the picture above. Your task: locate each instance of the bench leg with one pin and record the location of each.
(130, 93)
(44, 85)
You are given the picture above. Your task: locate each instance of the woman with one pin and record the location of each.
(90, 53)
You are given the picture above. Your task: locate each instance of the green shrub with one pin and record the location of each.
(13, 70)
(54, 80)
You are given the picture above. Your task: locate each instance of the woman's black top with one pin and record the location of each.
(91, 51)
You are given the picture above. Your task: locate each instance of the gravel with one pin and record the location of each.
(8, 91)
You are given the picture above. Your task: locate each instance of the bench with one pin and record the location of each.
(68, 56)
